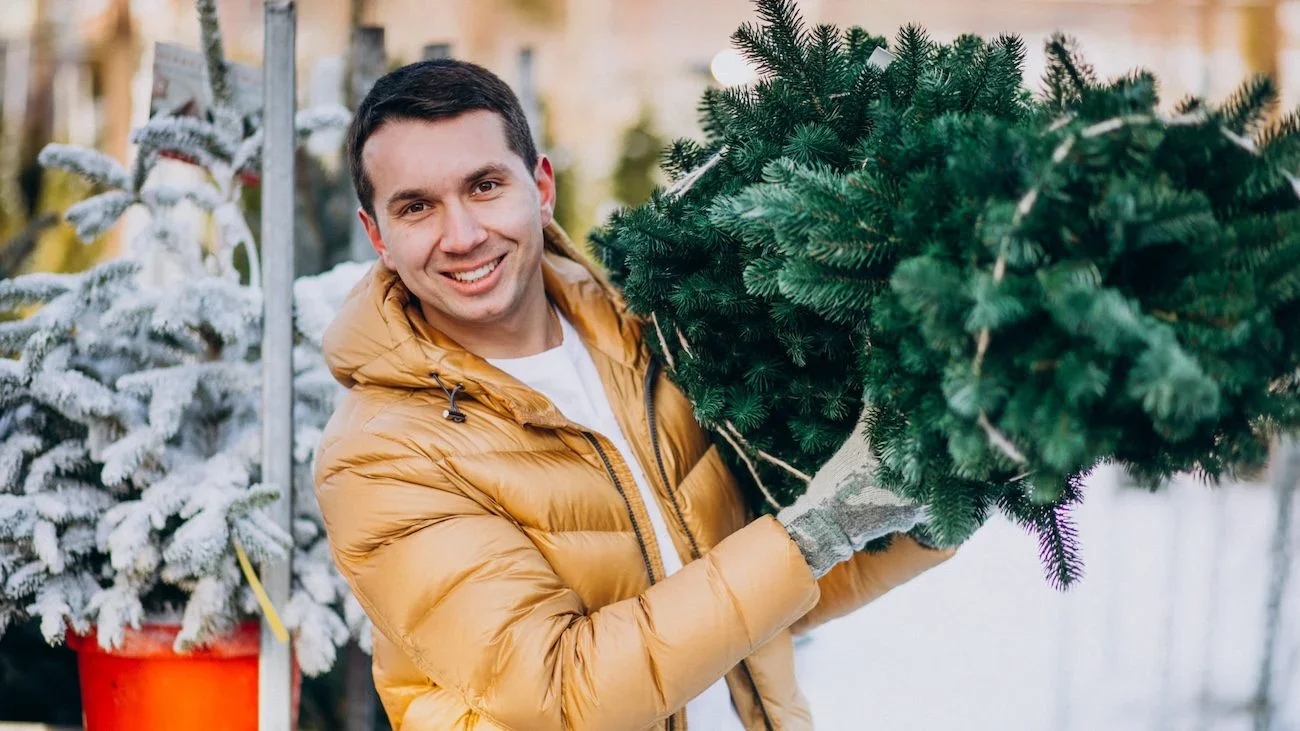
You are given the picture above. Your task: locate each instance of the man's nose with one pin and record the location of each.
(463, 231)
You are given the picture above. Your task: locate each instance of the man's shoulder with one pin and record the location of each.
(371, 424)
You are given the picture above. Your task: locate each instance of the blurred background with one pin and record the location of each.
(1189, 616)
(607, 83)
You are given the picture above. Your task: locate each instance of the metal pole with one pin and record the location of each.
(367, 62)
(1285, 477)
(528, 96)
(275, 671)
(13, 111)
(434, 51)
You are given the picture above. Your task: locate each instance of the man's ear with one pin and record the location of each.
(545, 177)
(376, 240)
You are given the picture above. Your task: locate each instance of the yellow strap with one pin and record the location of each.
(264, 601)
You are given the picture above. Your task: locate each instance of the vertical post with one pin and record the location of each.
(1205, 696)
(38, 117)
(358, 690)
(528, 96)
(1262, 42)
(117, 57)
(275, 672)
(367, 61)
(1208, 25)
(13, 109)
(1285, 476)
(434, 51)
(1261, 36)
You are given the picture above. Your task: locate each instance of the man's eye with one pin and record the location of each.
(415, 208)
(487, 186)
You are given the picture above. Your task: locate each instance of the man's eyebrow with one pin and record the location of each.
(404, 196)
(492, 168)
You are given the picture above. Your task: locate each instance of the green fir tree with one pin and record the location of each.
(1020, 287)
(771, 374)
(776, 381)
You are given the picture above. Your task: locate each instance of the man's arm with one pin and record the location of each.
(477, 607)
(867, 576)
(843, 510)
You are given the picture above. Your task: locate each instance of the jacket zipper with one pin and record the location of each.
(645, 553)
(672, 498)
(609, 467)
(659, 460)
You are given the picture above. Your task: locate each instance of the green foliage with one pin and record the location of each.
(1025, 287)
(747, 353)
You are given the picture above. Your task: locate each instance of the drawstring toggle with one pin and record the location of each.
(451, 412)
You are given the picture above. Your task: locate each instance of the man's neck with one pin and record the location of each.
(536, 329)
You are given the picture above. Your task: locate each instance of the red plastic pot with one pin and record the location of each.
(146, 686)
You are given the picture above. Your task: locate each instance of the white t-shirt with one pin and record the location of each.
(567, 376)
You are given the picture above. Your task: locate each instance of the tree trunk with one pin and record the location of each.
(38, 121)
(117, 56)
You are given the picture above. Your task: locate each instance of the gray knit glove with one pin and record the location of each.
(843, 509)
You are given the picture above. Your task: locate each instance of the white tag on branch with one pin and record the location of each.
(688, 181)
(880, 58)
(1241, 141)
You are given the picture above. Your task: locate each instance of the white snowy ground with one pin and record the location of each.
(1165, 632)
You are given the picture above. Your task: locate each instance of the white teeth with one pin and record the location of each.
(476, 274)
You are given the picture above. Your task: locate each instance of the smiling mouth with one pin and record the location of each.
(474, 275)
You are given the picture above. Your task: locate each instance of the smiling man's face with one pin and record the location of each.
(459, 217)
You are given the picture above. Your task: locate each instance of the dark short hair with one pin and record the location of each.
(428, 91)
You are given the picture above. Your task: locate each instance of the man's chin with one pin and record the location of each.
(465, 311)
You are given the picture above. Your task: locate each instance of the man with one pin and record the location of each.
(523, 504)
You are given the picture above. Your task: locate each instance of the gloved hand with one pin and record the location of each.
(843, 508)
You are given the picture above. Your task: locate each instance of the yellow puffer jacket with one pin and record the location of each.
(507, 560)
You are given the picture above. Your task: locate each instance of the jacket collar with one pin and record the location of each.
(380, 337)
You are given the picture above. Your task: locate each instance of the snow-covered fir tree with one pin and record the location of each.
(130, 437)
